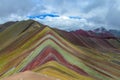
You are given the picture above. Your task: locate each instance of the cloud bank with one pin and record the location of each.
(64, 14)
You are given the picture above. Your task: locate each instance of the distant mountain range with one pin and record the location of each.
(75, 55)
(113, 32)
(99, 33)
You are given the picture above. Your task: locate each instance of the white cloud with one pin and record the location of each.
(65, 23)
(13, 17)
(93, 13)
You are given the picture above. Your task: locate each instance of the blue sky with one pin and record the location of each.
(64, 14)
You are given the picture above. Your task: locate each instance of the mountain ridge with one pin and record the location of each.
(98, 32)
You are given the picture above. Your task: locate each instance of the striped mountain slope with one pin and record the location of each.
(29, 45)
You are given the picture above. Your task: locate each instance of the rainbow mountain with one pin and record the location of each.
(76, 55)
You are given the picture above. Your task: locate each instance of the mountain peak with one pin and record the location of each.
(100, 30)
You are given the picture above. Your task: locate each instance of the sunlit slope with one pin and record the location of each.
(43, 50)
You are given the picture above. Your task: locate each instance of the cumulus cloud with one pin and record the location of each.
(65, 22)
(86, 14)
